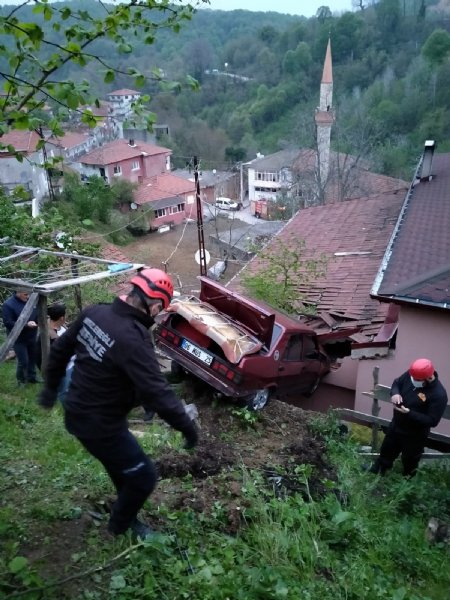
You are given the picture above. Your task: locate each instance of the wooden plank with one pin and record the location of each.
(24, 317)
(17, 254)
(366, 419)
(80, 257)
(425, 455)
(44, 333)
(14, 284)
(57, 285)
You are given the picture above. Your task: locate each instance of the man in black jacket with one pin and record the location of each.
(419, 400)
(115, 370)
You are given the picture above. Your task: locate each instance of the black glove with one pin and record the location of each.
(190, 438)
(47, 398)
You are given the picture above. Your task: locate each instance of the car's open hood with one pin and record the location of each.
(243, 310)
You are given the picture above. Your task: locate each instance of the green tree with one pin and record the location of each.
(283, 268)
(37, 49)
(437, 47)
(123, 191)
(93, 199)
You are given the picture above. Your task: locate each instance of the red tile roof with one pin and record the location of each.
(417, 262)
(119, 150)
(353, 235)
(23, 141)
(124, 92)
(163, 186)
(70, 139)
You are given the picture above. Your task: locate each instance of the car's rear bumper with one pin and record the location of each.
(209, 377)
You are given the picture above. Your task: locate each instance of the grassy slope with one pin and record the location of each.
(363, 540)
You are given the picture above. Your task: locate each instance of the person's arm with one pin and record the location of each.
(154, 391)
(434, 414)
(9, 316)
(61, 351)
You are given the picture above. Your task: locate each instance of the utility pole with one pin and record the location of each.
(241, 183)
(51, 191)
(201, 236)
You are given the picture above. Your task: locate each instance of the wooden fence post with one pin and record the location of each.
(375, 410)
(43, 330)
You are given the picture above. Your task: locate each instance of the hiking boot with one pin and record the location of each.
(141, 530)
(35, 380)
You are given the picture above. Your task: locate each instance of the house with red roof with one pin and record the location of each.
(129, 159)
(27, 174)
(165, 200)
(413, 277)
(352, 236)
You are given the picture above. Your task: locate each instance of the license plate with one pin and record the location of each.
(197, 352)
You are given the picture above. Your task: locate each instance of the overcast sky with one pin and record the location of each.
(307, 8)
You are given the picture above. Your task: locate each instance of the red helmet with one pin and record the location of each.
(155, 284)
(421, 369)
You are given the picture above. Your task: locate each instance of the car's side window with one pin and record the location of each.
(294, 348)
(310, 347)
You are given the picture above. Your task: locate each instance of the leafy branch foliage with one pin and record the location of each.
(283, 272)
(35, 52)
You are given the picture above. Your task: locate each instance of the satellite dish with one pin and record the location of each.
(198, 256)
(133, 206)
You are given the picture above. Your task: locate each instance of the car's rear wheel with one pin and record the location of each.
(313, 388)
(258, 400)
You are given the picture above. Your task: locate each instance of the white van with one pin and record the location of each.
(226, 204)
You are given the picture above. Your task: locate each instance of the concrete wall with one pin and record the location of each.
(25, 173)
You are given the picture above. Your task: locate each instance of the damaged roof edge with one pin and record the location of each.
(410, 301)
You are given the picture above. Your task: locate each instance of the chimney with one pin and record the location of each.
(427, 161)
(131, 143)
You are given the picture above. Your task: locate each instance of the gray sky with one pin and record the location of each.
(307, 8)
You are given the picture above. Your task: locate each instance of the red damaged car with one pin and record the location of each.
(240, 347)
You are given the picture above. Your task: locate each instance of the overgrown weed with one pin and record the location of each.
(361, 538)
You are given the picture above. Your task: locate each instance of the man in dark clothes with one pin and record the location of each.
(419, 400)
(25, 345)
(115, 370)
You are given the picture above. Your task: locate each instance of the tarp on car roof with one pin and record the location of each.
(234, 341)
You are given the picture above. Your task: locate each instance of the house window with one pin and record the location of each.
(266, 189)
(264, 176)
(135, 165)
(176, 209)
(117, 170)
(160, 212)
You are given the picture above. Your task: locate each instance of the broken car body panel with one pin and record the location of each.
(239, 346)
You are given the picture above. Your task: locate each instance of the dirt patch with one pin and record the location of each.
(176, 249)
(278, 448)
(209, 459)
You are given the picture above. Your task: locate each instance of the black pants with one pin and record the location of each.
(131, 471)
(410, 447)
(26, 360)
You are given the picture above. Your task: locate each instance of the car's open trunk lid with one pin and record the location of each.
(239, 309)
(203, 321)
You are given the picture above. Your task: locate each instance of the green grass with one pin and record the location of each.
(363, 539)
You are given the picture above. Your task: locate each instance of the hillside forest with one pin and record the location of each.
(259, 76)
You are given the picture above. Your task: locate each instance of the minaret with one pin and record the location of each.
(324, 118)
